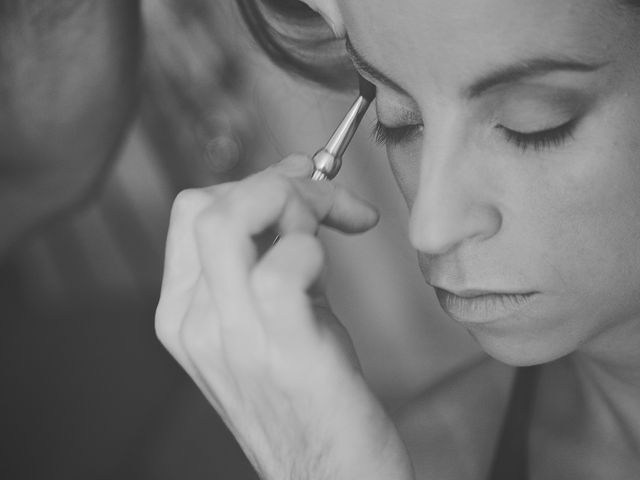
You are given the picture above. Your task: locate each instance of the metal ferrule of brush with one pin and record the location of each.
(328, 160)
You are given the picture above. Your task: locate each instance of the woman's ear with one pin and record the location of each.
(331, 14)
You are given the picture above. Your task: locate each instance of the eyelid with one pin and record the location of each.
(542, 107)
(542, 139)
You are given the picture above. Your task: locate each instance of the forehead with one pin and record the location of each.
(462, 38)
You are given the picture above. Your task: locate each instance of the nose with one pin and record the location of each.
(454, 202)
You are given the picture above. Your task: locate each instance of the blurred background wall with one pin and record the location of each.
(88, 392)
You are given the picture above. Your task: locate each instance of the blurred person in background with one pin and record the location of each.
(69, 89)
(86, 392)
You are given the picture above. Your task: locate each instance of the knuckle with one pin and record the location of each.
(267, 187)
(277, 184)
(212, 220)
(194, 340)
(164, 326)
(188, 200)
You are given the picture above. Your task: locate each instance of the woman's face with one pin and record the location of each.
(513, 129)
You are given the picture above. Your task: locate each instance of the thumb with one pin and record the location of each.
(339, 208)
(342, 209)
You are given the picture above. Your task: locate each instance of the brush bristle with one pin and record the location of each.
(367, 89)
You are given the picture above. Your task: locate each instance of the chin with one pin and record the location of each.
(523, 350)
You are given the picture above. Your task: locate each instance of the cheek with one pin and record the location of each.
(589, 227)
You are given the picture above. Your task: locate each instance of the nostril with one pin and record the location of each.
(432, 241)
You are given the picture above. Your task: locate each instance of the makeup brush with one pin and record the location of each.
(328, 160)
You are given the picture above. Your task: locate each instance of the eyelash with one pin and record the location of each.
(542, 140)
(538, 141)
(384, 135)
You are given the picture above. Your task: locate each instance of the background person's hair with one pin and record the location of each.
(194, 104)
(298, 40)
(195, 73)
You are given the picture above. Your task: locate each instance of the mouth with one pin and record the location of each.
(480, 306)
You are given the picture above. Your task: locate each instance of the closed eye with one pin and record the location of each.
(538, 141)
(541, 140)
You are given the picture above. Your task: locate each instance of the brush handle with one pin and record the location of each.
(328, 160)
(343, 134)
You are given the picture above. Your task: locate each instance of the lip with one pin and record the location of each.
(482, 306)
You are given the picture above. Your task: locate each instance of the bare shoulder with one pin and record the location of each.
(450, 429)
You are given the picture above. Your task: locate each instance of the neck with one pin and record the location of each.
(614, 356)
(587, 415)
(608, 371)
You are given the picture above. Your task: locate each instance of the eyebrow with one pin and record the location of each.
(529, 68)
(509, 74)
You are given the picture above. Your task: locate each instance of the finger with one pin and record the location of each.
(187, 343)
(227, 253)
(179, 257)
(181, 267)
(294, 166)
(198, 347)
(199, 338)
(264, 200)
(298, 205)
(338, 207)
(224, 240)
(225, 230)
(280, 281)
(182, 264)
(345, 211)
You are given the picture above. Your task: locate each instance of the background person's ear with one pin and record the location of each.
(331, 14)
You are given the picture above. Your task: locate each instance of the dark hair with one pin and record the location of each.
(298, 40)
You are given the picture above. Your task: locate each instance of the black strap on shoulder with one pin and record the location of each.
(510, 460)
